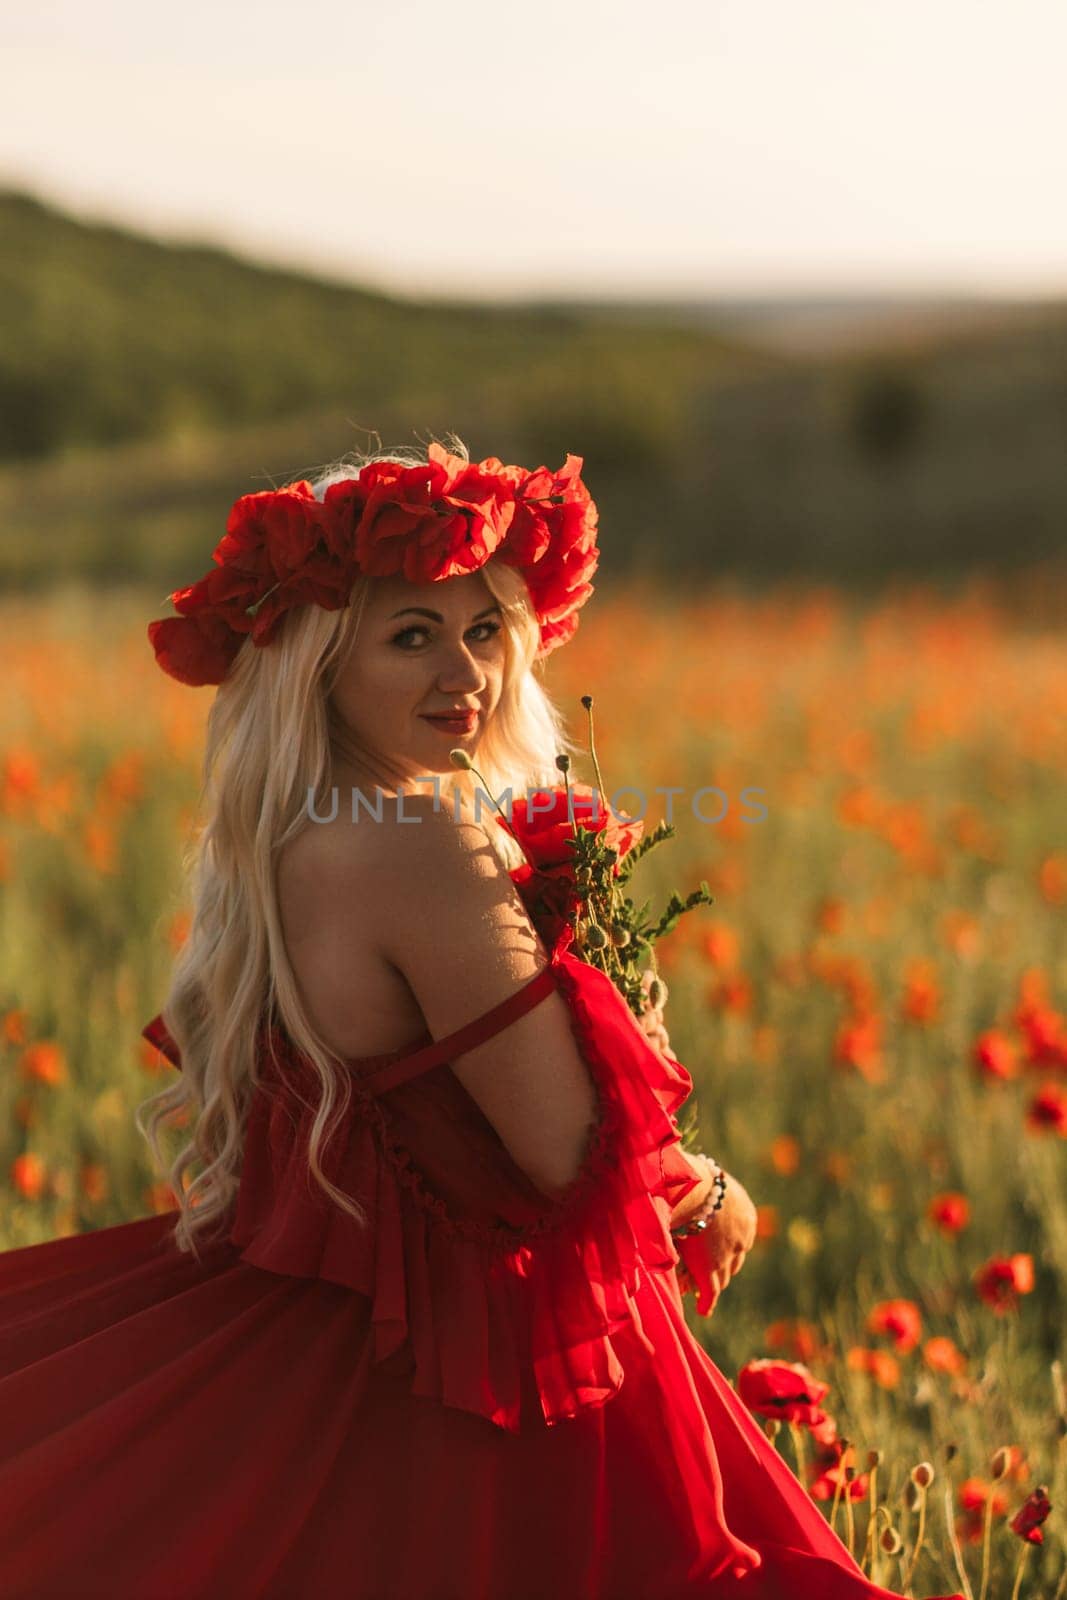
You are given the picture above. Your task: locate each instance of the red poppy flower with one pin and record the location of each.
(996, 1054)
(921, 1000)
(542, 820)
(883, 1367)
(1002, 1279)
(268, 560)
(943, 1355)
(1048, 1109)
(829, 1449)
(277, 538)
(399, 526)
(1031, 1514)
(901, 1319)
(1046, 1037)
(824, 1433)
(270, 533)
(194, 650)
(950, 1211)
(858, 1044)
(550, 904)
(794, 1335)
(552, 537)
(547, 884)
(417, 522)
(823, 1484)
(782, 1389)
(973, 1494)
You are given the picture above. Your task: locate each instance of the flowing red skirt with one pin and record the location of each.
(212, 1430)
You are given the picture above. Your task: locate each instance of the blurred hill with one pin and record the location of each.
(145, 384)
(845, 323)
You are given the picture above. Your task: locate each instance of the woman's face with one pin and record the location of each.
(419, 649)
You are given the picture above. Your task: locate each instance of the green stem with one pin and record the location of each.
(837, 1498)
(1019, 1572)
(849, 1520)
(872, 1518)
(592, 752)
(916, 1552)
(485, 787)
(957, 1553)
(798, 1450)
(613, 887)
(987, 1523)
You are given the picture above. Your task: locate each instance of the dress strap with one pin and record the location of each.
(465, 1038)
(432, 1054)
(156, 1033)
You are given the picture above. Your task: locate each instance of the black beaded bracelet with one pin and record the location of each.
(699, 1222)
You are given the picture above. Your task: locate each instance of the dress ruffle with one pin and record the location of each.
(492, 1297)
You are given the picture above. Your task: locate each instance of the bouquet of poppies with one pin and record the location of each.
(580, 857)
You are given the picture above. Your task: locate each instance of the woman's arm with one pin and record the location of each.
(451, 922)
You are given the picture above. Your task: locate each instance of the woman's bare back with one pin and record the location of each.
(359, 1001)
(375, 914)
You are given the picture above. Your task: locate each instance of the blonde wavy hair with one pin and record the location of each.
(267, 750)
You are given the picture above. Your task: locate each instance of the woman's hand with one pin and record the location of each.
(651, 1020)
(709, 1259)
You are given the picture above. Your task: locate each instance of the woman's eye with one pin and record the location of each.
(494, 627)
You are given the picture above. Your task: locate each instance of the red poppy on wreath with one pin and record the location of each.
(436, 520)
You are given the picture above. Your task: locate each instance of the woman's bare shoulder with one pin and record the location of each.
(402, 846)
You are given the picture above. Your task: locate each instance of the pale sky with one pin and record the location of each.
(696, 148)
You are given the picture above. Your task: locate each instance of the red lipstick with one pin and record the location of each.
(454, 724)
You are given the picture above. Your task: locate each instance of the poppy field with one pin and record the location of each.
(873, 1010)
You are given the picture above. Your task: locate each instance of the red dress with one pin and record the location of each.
(482, 1396)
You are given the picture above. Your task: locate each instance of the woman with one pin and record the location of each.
(416, 1329)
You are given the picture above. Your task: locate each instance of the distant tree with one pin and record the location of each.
(887, 414)
(27, 415)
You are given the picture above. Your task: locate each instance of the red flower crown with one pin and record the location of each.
(439, 519)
